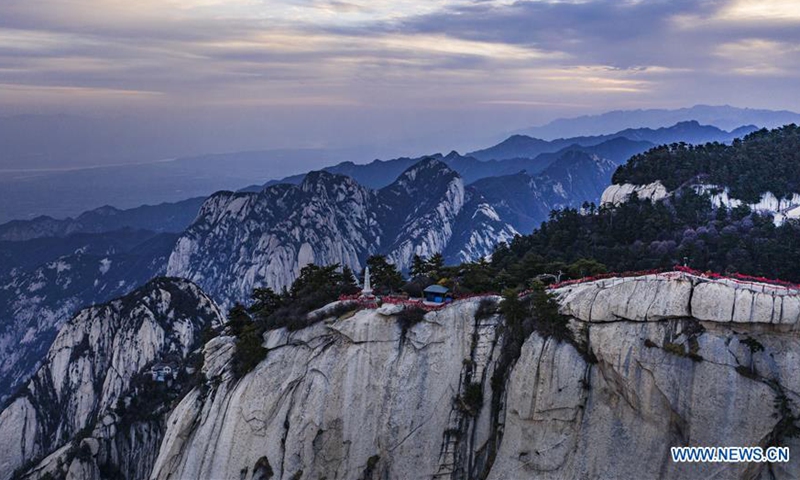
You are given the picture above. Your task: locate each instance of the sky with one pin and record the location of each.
(410, 74)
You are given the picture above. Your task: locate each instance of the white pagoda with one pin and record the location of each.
(367, 290)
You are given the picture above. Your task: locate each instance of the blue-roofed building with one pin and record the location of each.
(436, 294)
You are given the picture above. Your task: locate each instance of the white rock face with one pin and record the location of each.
(91, 366)
(647, 298)
(677, 295)
(653, 362)
(618, 418)
(617, 194)
(334, 400)
(780, 209)
(353, 399)
(244, 240)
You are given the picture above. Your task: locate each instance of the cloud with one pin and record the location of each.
(489, 56)
(763, 10)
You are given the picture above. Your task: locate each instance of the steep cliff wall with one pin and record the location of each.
(649, 363)
(72, 415)
(672, 368)
(355, 398)
(656, 361)
(243, 240)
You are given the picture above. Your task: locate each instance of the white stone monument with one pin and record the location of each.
(367, 290)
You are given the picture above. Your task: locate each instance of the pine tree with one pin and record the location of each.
(347, 284)
(435, 265)
(265, 301)
(385, 276)
(418, 266)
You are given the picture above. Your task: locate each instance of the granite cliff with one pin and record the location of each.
(243, 240)
(88, 411)
(656, 361)
(648, 363)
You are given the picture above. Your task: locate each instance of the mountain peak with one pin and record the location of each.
(320, 179)
(316, 176)
(427, 170)
(94, 366)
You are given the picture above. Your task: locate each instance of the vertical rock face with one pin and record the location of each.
(242, 240)
(619, 418)
(649, 367)
(91, 367)
(616, 194)
(356, 398)
(649, 363)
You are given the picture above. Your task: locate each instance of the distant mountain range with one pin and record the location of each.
(532, 155)
(379, 173)
(166, 217)
(27, 194)
(688, 131)
(724, 117)
(459, 205)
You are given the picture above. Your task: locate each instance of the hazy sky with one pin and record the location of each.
(332, 73)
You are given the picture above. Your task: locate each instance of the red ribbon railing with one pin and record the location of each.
(604, 276)
(737, 277)
(365, 302)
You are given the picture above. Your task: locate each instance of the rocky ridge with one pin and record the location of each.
(652, 362)
(242, 240)
(657, 361)
(36, 302)
(69, 418)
